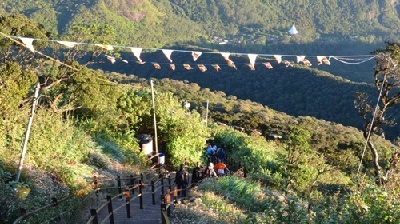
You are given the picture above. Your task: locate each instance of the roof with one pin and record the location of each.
(293, 30)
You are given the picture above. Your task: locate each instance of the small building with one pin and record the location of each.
(293, 31)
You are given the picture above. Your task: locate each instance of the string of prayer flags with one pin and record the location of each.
(278, 58)
(216, 67)
(252, 59)
(323, 60)
(105, 47)
(125, 61)
(172, 67)
(202, 67)
(268, 65)
(136, 52)
(351, 59)
(68, 44)
(28, 43)
(167, 54)
(196, 55)
(156, 65)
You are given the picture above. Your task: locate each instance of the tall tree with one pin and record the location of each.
(387, 83)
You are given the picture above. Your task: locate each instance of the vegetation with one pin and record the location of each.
(88, 121)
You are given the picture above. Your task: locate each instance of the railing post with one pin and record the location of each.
(153, 196)
(95, 183)
(119, 186)
(169, 182)
(93, 213)
(176, 194)
(141, 177)
(162, 185)
(132, 183)
(163, 209)
(110, 209)
(141, 194)
(168, 202)
(128, 202)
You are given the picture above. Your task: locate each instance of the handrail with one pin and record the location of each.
(54, 202)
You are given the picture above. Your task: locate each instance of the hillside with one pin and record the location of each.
(297, 91)
(84, 123)
(368, 20)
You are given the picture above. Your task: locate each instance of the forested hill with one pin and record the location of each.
(297, 91)
(161, 22)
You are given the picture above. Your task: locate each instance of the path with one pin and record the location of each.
(149, 214)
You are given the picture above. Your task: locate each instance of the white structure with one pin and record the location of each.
(293, 30)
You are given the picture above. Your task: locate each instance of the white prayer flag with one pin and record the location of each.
(136, 52)
(196, 55)
(67, 43)
(278, 58)
(28, 43)
(167, 54)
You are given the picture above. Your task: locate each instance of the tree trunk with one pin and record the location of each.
(375, 162)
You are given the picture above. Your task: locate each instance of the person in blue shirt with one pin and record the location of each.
(221, 154)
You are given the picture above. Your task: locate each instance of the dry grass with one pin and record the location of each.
(207, 207)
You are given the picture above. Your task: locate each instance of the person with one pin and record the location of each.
(181, 181)
(221, 154)
(209, 150)
(195, 176)
(210, 170)
(221, 168)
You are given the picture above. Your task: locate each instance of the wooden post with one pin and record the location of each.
(128, 202)
(119, 186)
(141, 177)
(207, 113)
(28, 131)
(162, 184)
(93, 213)
(176, 194)
(168, 202)
(153, 196)
(141, 194)
(132, 183)
(169, 182)
(154, 118)
(95, 183)
(110, 209)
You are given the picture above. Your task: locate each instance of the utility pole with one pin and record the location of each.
(28, 131)
(154, 118)
(207, 114)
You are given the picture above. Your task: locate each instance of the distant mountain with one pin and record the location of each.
(255, 21)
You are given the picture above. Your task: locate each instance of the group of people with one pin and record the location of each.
(215, 159)
(215, 168)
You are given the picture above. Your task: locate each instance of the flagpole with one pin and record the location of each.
(28, 131)
(207, 114)
(154, 118)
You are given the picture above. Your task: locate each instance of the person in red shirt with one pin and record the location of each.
(221, 168)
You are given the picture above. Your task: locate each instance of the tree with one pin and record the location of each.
(387, 78)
